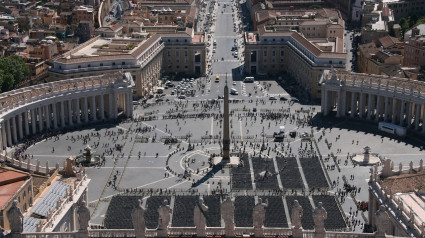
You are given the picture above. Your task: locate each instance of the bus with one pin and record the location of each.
(392, 129)
(248, 80)
(217, 79)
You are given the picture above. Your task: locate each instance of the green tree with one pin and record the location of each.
(13, 70)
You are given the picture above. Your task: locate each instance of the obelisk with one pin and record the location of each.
(226, 137)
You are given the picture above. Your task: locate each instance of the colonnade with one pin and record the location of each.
(379, 99)
(66, 109)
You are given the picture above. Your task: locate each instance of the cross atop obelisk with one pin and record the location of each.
(226, 137)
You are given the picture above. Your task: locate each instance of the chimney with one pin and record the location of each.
(415, 32)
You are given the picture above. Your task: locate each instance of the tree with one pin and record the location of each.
(13, 70)
(404, 24)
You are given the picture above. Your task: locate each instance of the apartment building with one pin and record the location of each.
(290, 52)
(414, 54)
(182, 52)
(185, 52)
(404, 8)
(15, 185)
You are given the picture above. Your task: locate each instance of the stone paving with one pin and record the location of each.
(143, 165)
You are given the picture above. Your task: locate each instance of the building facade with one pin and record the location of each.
(276, 53)
(374, 97)
(414, 53)
(62, 104)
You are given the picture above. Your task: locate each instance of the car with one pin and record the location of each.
(159, 100)
(182, 97)
(272, 98)
(283, 99)
(234, 83)
(220, 97)
(172, 92)
(254, 109)
(293, 99)
(213, 50)
(235, 54)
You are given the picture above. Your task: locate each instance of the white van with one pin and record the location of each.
(248, 80)
(233, 91)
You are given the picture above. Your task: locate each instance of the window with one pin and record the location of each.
(79, 66)
(177, 40)
(265, 53)
(123, 63)
(177, 66)
(168, 53)
(168, 40)
(273, 53)
(101, 64)
(281, 53)
(113, 63)
(88, 65)
(185, 53)
(185, 66)
(185, 40)
(330, 61)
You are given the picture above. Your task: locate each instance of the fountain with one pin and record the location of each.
(366, 158)
(88, 158)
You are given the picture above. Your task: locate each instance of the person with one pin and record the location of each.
(296, 214)
(83, 216)
(319, 217)
(15, 218)
(199, 216)
(138, 218)
(259, 213)
(164, 212)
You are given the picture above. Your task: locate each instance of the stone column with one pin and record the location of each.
(386, 109)
(339, 106)
(102, 108)
(362, 105)
(9, 134)
(40, 118)
(26, 123)
(55, 116)
(409, 114)
(378, 107)
(85, 109)
(402, 112)
(93, 108)
(71, 123)
(353, 104)
(33, 122)
(417, 115)
(111, 106)
(3, 136)
(62, 114)
(369, 105)
(128, 106)
(78, 110)
(323, 101)
(14, 133)
(394, 111)
(423, 119)
(19, 127)
(48, 116)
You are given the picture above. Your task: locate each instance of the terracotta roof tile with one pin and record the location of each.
(405, 182)
(7, 191)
